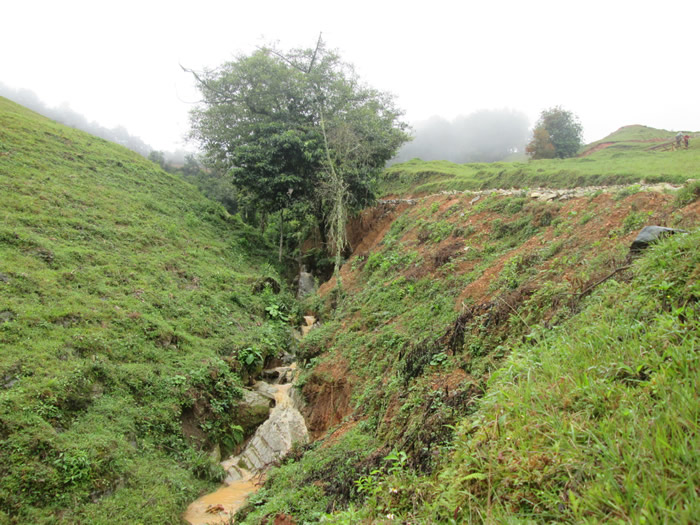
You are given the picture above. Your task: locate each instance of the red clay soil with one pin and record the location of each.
(609, 216)
(364, 232)
(597, 147)
(478, 290)
(329, 388)
(371, 224)
(327, 392)
(284, 519)
(339, 432)
(604, 145)
(597, 230)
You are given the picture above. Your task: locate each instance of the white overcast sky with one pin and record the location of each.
(613, 62)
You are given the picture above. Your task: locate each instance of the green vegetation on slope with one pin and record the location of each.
(436, 316)
(625, 162)
(637, 133)
(124, 299)
(595, 421)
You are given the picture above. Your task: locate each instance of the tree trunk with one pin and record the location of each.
(281, 232)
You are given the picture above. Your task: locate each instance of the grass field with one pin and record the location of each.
(624, 162)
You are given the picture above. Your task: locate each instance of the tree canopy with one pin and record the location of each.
(287, 126)
(557, 133)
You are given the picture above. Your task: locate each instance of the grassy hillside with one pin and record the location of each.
(124, 299)
(627, 159)
(593, 421)
(500, 359)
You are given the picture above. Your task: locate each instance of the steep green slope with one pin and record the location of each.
(593, 421)
(624, 157)
(124, 298)
(497, 358)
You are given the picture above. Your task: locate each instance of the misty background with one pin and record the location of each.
(482, 136)
(69, 117)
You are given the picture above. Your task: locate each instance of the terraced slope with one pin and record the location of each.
(124, 297)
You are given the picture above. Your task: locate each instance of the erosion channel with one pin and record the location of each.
(273, 439)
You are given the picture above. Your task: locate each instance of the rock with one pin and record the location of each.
(288, 359)
(270, 374)
(310, 322)
(275, 437)
(307, 283)
(4, 278)
(234, 473)
(279, 375)
(265, 389)
(252, 410)
(6, 316)
(215, 454)
(649, 235)
(267, 282)
(8, 381)
(297, 399)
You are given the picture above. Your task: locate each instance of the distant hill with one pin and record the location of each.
(124, 296)
(632, 154)
(637, 137)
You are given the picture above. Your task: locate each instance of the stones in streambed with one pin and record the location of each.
(279, 375)
(649, 235)
(309, 323)
(272, 440)
(307, 283)
(253, 409)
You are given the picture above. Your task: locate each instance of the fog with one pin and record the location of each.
(65, 115)
(482, 136)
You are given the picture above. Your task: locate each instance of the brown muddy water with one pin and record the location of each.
(272, 440)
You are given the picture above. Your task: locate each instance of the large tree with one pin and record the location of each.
(557, 133)
(297, 128)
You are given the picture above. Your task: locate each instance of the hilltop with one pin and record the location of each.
(125, 296)
(636, 137)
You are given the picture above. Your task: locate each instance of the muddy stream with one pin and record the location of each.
(245, 472)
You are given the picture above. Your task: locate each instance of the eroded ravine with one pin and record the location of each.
(272, 440)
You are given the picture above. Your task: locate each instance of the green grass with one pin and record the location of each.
(125, 296)
(623, 163)
(637, 133)
(423, 387)
(596, 421)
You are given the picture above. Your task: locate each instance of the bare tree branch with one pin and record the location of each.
(313, 58)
